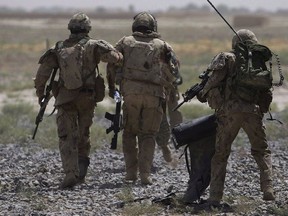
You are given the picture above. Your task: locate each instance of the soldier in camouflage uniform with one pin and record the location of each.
(169, 120)
(145, 75)
(75, 107)
(233, 114)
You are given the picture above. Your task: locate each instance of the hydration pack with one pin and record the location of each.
(71, 63)
(251, 72)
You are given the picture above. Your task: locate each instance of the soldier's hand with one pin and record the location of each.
(201, 98)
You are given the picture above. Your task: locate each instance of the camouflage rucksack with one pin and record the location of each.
(251, 73)
(71, 63)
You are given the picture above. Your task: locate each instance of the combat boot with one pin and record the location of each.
(145, 179)
(210, 204)
(69, 181)
(83, 167)
(268, 194)
(166, 153)
(131, 176)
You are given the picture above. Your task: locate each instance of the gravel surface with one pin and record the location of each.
(30, 176)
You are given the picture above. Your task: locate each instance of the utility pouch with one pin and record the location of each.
(99, 87)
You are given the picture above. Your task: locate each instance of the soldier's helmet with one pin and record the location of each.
(245, 35)
(79, 22)
(144, 21)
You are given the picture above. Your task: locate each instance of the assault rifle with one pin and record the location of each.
(195, 89)
(44, 102)
(115, 120)
(165, 200)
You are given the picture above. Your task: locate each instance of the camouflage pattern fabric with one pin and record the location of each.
(175, 117)
(232, 115)
(227, 130)
(163, 134)
(75, 107)
(73, 121)
(143, 97)
(135, 109)
(94, 52)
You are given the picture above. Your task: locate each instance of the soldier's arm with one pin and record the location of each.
(108, 53)
(47, 63)
(219, 66)
(110, 75)
(171, 64)
(113, 68)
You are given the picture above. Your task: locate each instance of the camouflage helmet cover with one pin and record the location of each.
(80, 21)
(145, 19)
(244, 35)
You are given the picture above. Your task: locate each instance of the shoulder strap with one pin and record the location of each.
(83, 41)
(59, 45)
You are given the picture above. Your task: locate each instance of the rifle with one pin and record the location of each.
(195, 89)
(115, 120)
(165, 200)
(44, 102)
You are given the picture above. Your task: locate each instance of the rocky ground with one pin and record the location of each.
(30, 176)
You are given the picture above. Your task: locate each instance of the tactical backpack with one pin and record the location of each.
(251, 73)
(71, 63)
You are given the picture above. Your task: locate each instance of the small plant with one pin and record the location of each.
(245, 205)
(126, 195)
(145, 208)
(283, 211)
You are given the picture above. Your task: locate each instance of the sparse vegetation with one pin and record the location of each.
(17, 126)
(196, 40)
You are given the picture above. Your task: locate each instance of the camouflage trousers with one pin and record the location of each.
(73, 121)
(227, 130)
(175, 117)
(163, 136)
(142, 116)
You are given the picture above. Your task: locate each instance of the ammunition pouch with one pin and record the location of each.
(99, 88)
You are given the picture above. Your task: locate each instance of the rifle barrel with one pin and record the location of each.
(114, 141)
(179, 105)
(35, 131)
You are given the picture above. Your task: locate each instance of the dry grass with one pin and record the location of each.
(196, 40)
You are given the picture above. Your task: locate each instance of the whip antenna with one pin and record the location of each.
(224, 19)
